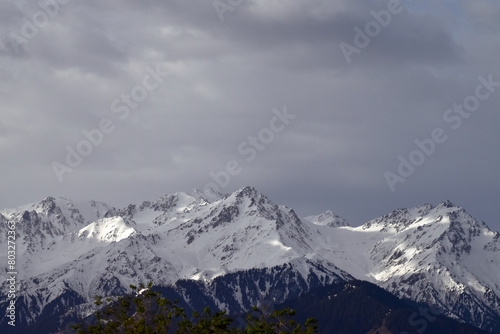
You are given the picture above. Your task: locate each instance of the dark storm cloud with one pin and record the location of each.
(352, 120)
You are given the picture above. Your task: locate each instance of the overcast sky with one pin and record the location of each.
(354, 106)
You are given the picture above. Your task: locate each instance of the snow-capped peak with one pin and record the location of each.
(107, 229)
(208, 194)
(446, 204)
(327, 218)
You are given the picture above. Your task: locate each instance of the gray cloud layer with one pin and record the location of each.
(353, 120)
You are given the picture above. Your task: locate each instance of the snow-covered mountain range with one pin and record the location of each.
(241, 249)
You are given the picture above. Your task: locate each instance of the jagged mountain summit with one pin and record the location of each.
(327, 218)
(233, 251)
(439, 255)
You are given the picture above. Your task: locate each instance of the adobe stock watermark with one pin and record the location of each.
(11, 273)
(223, 6)
(420, 320)
(32, 24)
(250, 149)
(454, 117)
(121, 106)
(372, 29)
